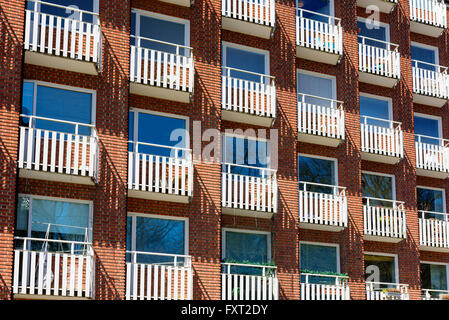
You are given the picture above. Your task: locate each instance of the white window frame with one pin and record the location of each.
(428, 47)
(443, 191)
(393, 180)
(242, 136)
(395, 256)
(58, 199)
(317, 75)
(439, 264)
(140, 12)
(266, 54)
(432, 117)
(334, 160)
(63, 87)
(223, 239)
(377, 97)
(382, 24)
(323, 244)
(133, 216)
(136, 112)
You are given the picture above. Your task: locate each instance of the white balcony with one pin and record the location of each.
(252, 17)
(331, 287)
(386, 291)
(430, 87)
(168, 280)
(432, 157)
(385, 6)
(184, 3)
(381, 143)
(58, 156)
(161, 74)
(260, 285)
(322, 211)
(428, 17)
(430, 294)
(385, 222)
(379, 66)
(433, 231)
(251, 102)
(41, 274)
(249, 196)
(163, 178)
(322, 123)
(63, 43)
(316, 40)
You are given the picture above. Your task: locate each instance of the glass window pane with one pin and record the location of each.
(376, 108)
(317, 171)
(131, 130)
(246, 247)
(370, 30)
(319, 6)
(245, 60)
(27, 101)
(376, 186)
(315, 86)
(66, 105)
(433, 276)
(424, 55)
(23, 208)
(430, 200)
(86, 5)
(317, 258)
(427, 127)
(380, 269)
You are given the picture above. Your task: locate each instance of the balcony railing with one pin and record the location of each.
(65, 273)
(432, 12)
(70, 37)
(430, 80)
(325, 119)
(260, 284)
(384, 139)
(169, 175)
(433, 229)
(384, 218)
(386, 291)
(171, 69)
(246, 192)
(58, 152)
(328, 209)
(379, 61)
(254, 11)
(432, 156)
(326, 36)
(327, 287)
(248, 97)
(171, 279)
(430, 294)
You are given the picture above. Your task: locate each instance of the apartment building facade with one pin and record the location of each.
(224, 149)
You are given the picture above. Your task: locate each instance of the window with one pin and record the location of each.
(316, 258)
(324, 7)
(378, 186)
(427, 126)
(68, 12)
(427, 55)
(317, 170)
(373, 107)
(59, 103)
(434, 277)
(368, 29)
(380, 268)
(53, 219)
(150, 132)
(431, 200)
(317, 85)
(156, 29)
(246, 59)
(243, 155)
(156, 235)
(248, 247)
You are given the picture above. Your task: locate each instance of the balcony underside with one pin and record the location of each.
(384, 6)
(184, 3)
(246, 27)
(433, 249)
(432, 173)
(428, 100)
(380, 158)
(147, 195)
(247, 213)
(317, 55)
(53, 176)
(320, 227)
(377, 79)
(62, 63)
(21, 296)
(242, 117)
(160, 93)
(382, 239)
(425, 29)
(315, 139)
